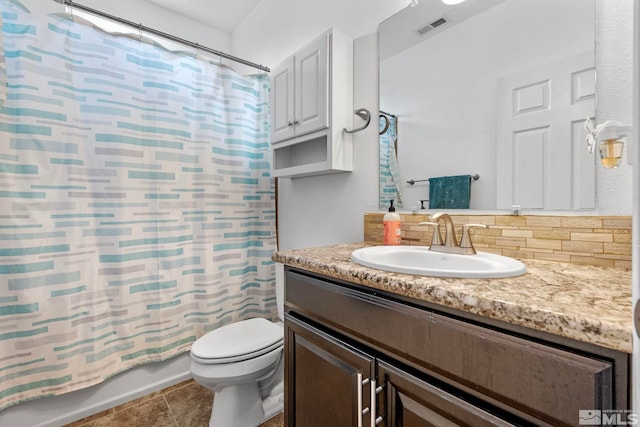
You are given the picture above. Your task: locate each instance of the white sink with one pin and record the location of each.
(421, 261)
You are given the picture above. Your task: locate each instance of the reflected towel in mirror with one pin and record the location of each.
(450, 192)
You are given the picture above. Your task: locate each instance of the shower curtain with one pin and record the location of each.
(137, 204)
(389, 172)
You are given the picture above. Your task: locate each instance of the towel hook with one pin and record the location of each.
(387, 123)
(365, 115)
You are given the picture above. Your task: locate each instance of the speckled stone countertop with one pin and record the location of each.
(585, 303)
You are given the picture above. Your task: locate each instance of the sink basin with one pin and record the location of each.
(421, 261)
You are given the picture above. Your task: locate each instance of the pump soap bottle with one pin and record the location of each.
(391, 226)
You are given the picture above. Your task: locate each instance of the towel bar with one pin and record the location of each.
(413, 181)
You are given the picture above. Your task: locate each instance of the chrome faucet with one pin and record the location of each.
(450, 244)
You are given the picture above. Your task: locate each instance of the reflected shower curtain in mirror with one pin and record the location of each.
(137, 205)
(389, 174)
(3, 69)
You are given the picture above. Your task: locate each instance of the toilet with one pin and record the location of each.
(243, 363)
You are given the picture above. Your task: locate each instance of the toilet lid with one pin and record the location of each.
(237, 339)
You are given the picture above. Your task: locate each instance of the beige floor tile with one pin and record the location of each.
(190, 404)
(151, 413)
(277, 421)
(187, 404)
(87, 421)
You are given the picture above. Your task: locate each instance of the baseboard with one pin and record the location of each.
(60, 410)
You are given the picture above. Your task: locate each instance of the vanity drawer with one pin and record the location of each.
(538, 381)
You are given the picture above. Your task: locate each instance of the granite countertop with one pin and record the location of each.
(586, 303)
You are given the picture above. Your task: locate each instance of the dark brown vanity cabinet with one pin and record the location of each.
(355, 356)
(328, 382)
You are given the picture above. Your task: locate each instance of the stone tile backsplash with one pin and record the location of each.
(593, 240)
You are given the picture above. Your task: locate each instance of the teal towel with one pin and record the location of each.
(450, 192)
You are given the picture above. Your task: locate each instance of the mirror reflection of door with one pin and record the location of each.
(542, 160)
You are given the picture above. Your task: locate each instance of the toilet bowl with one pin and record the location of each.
(243, 363)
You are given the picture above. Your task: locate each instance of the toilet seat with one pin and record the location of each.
(238, 341)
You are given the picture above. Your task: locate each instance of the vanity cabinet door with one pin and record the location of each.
(328, 382)
(406, 401)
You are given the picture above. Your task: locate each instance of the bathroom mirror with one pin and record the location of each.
(457, 77)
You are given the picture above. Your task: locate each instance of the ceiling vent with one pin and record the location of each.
(434, 24)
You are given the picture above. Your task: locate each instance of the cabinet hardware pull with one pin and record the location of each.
(374, 391)
(290, 124)
(361, 411)
(359, 379)
(295, 122)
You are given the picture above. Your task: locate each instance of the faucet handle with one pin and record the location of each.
(437, 238)
(466, 237)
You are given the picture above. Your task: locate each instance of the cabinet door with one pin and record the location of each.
(282, 101)
(406, 401)
(324, 379)
(312, 87)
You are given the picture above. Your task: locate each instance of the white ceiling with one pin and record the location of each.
(224, 15)
(399, 32)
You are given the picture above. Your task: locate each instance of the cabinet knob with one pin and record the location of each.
(296, 123)
(290, 124)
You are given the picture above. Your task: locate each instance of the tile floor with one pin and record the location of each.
(187, 404)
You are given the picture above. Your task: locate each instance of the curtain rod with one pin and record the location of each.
(141, 28)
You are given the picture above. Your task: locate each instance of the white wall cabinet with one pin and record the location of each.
(311, 102)
(300, 93)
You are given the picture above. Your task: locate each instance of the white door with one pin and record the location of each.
(282, 101)
(542, 158)
(312, 87)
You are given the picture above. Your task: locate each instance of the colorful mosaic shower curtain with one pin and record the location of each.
(137, 205)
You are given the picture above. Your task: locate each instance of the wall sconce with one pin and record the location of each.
(610, 137)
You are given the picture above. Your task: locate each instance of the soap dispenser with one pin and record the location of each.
(391, 225)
